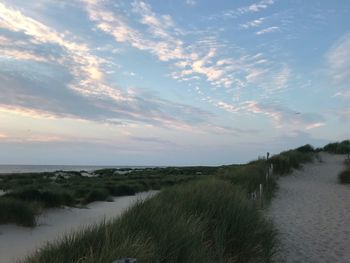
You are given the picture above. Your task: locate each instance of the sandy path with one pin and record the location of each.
(312, 212)
(16, 242)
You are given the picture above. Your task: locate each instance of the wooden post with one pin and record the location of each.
(261, 195)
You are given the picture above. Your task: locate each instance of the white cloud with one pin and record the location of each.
(85, 67)
(267, 30)
(315, 125)
(256, 7)
(253, 23)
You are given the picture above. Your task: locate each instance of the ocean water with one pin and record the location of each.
(7, 169)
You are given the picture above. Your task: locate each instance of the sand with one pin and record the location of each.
(16, 242)
(312, 213)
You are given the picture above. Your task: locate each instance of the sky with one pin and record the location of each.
(170, 82)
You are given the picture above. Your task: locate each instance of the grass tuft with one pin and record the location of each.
(18, 212)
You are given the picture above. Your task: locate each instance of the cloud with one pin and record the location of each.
(85, 67)
(191, 2)
(282, 116)
(343, 94)
(206, 57)
(256, 7)
(280, 81)
(315, 125)
(28, 82)
(253, 23)
(253, 8)
(163, 42)
(339, 60)
(267, 30)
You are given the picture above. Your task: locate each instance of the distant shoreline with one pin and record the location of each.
(16, 169)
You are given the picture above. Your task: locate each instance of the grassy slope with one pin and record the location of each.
(210, 220)
(205, 221)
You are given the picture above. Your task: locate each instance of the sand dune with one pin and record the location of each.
(16, 242)
(312, 213)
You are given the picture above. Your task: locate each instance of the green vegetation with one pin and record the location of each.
(209, 214)
(209, 220)
(58, 189)
(17, 211)
(338, 147)
(285, 162)
(249, 177)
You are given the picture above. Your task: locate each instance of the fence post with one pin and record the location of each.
(261, 195)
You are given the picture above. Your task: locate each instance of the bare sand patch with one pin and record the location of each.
(312, 213)
(16, 242)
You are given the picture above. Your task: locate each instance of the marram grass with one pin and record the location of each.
(205, 221)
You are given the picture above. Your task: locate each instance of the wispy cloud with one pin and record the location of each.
(282, 116)
(253, 23)
(253, 8)
(164, 42)
(83, 91)
(315, 125)
(339, 60)
(268, 30)
(256, 7)
(343, 94)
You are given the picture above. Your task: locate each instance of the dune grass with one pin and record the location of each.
(249, 177)
(57, 189)
(209, 220)
(285, 162)
(18, 211)
(338, 147)
(72, 189)
(204, 218)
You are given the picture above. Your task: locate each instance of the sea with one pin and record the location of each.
(9, 169)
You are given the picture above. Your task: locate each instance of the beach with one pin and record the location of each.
(312, 213)
(16, 242)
